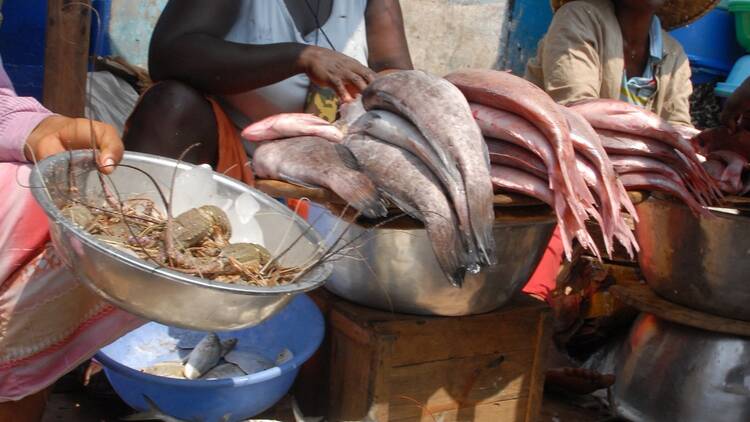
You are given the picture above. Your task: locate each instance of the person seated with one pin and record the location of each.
(50, 322)
(223, 64)
(618, 49)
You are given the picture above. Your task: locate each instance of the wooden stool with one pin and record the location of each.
(383, 366)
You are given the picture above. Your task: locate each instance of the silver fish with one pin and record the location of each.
(394, 129)
(206, 355)
(407, 182)
(224, 370)
(439, 110)
(250, 362)
(312, 161)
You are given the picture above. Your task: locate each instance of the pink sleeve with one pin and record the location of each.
(18, 117)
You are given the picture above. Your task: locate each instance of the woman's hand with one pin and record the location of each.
(56, 134)
(343, 74)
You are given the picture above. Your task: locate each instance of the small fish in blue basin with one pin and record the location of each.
(224, 370)
(206, 355)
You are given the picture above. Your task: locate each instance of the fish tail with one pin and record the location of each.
(482, 215)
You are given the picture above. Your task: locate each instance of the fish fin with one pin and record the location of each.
(227, 346)
(297, 181)
(404, 206)
(347, 157)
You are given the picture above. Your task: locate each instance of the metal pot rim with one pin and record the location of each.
(52, 211)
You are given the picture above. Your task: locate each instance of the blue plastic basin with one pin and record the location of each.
(710, 42)
(299, 327)
(739, 73)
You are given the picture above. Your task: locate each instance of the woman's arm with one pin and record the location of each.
(188, 45)
(386, 37)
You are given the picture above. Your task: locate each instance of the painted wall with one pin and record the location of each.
(442, 34)
(130, 25)
(445, 35)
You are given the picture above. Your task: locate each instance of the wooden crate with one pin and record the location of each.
(393, 367)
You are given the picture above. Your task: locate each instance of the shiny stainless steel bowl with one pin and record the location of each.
(699, 262)
(671, 372)
(154, 292)
(395, 268)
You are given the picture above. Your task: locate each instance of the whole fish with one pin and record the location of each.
(510, 127)
(658, 182)
(406, 181)
(224, 370)
(519, 181)
(313, 161)
(290, 125)
(624, 117)
(250, 362)
(394, 129)
(206, 355)
(510, 155)
(441, 113)
(504, 91)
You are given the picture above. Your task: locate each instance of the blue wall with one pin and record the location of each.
(22, 38)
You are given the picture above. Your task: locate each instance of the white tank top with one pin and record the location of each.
(269, 22)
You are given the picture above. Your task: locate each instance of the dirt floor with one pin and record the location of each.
(77, 405)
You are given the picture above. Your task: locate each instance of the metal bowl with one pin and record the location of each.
(157, 293)
(699, 262)
(671, 372)
(396, 270)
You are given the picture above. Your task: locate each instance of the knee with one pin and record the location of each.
(174, 98)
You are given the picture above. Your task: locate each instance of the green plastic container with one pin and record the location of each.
(741, 11)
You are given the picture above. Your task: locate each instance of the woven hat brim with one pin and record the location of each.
(674, 13)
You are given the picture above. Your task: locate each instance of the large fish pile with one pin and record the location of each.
(437, 147)
(409, 139)
(649, 153)
(549, 152)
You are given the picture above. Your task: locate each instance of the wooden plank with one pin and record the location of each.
(501, 411)
(436, 339)
(350, 380)
(66, 56)
(640, 296)
(539, 367)
(464, 382)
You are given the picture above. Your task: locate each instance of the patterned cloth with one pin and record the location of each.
(49, 322)
(639, 90)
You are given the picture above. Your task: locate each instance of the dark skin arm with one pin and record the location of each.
(188, 45)
(386, 38)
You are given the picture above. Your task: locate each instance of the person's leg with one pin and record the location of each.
(28, 409)
(169, 118)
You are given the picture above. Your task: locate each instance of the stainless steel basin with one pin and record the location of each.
(395, 268)
(159, 294)
(699, 262)
(670, 372)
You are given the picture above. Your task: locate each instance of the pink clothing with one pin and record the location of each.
(18, 117)
(49, 322)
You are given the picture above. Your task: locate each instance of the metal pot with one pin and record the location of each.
(699, 262)
(154, 292)
(671, 372)
(396, 270)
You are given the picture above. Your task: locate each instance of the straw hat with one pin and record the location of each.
(674, 13)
